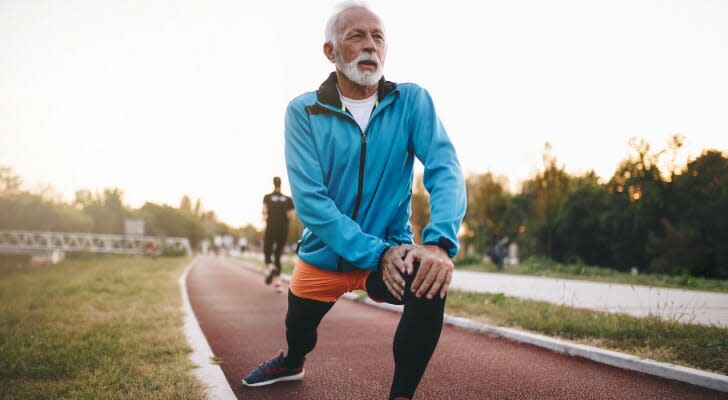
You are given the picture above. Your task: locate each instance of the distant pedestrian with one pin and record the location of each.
(498, 252)
(243, 244)
(278, 211)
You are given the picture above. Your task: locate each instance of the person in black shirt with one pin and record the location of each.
(278, 211)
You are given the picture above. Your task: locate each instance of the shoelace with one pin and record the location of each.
(269, 362)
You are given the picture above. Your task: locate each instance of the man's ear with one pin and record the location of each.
(329, 52)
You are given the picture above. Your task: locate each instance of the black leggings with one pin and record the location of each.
(414, 342)
(277, 237)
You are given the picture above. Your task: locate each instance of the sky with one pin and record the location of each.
(169, 98)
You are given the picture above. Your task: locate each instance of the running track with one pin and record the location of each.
(242, 320)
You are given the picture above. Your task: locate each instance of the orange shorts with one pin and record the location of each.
(314, 283)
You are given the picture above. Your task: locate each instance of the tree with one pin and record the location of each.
(253, 234)
(9, 181)
(488, 202)
(198, 208)
(106, 210)
(168, 221)
(639, 199)
(674, 148)
(186, 204)
(98, 213)
(420, 216)
(582, 229)
(28, 211)
(546, 192)
(208, 220)
(677, 249)
(701, 199)
(517, 220)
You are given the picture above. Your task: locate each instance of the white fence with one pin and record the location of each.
(15, 242)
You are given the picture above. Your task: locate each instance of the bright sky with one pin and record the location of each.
(171, 97)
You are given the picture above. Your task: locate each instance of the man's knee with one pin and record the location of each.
(378, 291)
(305, 313)
(431, 308)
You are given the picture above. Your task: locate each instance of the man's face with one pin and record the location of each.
(360, 48)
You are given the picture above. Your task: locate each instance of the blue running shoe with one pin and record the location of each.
(272, 371)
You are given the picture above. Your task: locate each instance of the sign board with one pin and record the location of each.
(134, 226)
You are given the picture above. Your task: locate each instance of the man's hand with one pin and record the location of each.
(435, 273)
(393, 267)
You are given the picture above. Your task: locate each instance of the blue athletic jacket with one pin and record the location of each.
(352, 189)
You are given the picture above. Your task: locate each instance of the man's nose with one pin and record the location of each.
(369, 44)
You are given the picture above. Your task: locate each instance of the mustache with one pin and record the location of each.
(373, 57)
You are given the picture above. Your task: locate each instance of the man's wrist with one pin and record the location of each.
(443, 244)
(437, 249)
(381, 256)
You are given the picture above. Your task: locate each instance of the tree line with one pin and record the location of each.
(653, 213)
(105, 212)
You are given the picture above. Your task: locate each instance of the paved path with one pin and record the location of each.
(708, 308)
(243, 321)
(672, 304)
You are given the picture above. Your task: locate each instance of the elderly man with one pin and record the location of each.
(350, 149)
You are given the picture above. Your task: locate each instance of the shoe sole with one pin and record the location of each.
(296, 377)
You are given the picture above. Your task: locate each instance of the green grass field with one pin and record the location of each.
(98, 328)
(111, 328)
(690, 345)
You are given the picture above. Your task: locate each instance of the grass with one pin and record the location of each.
(548, 268)
(690, 345)
(102, 328)
(696, 346)
(110, 328)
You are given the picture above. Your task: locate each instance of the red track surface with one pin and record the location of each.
(243, 321)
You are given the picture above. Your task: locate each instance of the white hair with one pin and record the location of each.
(332, 24)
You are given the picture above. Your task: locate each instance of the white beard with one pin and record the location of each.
(351, 69)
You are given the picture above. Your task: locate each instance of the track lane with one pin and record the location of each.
(243, 321)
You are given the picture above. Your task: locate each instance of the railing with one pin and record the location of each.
(22, 241)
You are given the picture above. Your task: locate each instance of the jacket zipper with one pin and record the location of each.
(362, 163)
(360, 187)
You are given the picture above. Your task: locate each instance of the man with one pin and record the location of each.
(499, 252)
(350, 151)
(278, 210)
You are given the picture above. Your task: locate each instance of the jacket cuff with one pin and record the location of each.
(443, 243)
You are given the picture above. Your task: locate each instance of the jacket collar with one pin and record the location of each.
(329, 94)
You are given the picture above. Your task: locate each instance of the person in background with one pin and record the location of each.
(278, 211)
(350, 150)
(499, 252)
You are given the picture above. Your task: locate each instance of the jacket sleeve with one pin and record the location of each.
(443, 176)
(314, 207)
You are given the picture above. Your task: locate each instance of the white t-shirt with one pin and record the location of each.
(361, 110)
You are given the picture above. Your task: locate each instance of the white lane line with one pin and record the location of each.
(207, 372)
